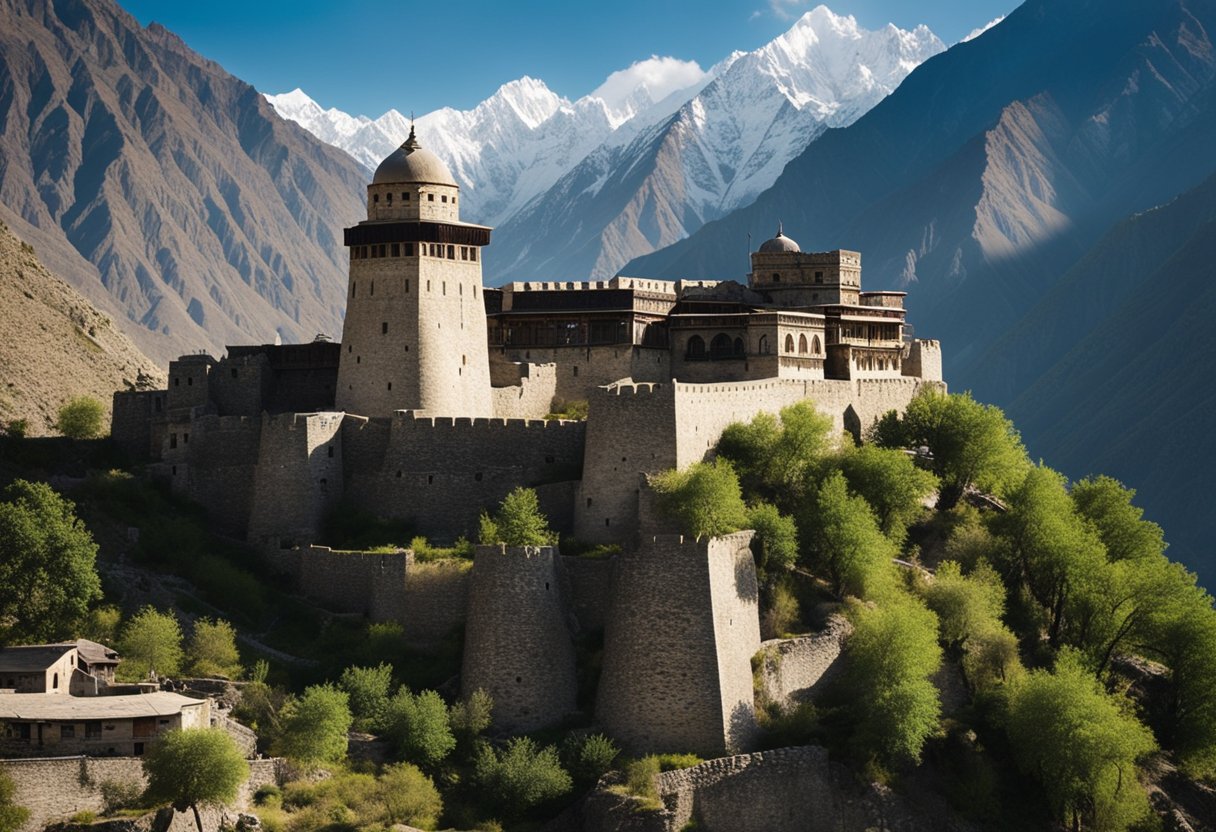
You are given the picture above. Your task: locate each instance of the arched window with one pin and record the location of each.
(802, 345)
(789, 343)
(776, 277)
(739, 349)
(696, 347)
(721, 346)
(816, 347)
(763, 345)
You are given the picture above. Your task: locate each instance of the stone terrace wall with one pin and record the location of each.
(517, 645)
(678, 643)
(428, 599)
(55, 788)
(793, 669)
(787, 790)
(440, 473)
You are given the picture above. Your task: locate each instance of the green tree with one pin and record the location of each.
(778, 460)
(1106, 504)
(966, 605)
(891, 483)
(102, 624)
(213, 649)
(151, 643)
(194, 766)
(1080, 744)
(81, 418)
(520, 776)
(592, 757)
(314, 726)
(418, 727)
(48, 574)
(842, 540)
(1052, 552)
(368, 689)
(468, 718)
(12, 816)
(891, 656)
(775, 545)
(518, 521)
(703, 499)
(971, 443)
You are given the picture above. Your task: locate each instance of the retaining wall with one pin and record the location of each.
(792, 670)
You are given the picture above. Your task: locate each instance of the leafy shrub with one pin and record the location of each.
(518, 521)
(81, 418)
(521, 776)
(368, 689)
(592, 757)
(417, 725)
(703, 499)
(17, 428)
(573, 409)
(314, 726)
(117, 795)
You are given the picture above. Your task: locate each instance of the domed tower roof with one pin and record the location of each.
(412, 163)
(778, 244)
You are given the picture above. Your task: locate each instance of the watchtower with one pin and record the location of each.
(415, 331)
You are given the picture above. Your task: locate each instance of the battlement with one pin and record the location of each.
(639, 284)
(416, 419)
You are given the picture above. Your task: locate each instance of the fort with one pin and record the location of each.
(433, 406)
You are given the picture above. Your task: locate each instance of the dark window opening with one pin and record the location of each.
(430, 197)
(173, 440)
(234, 372)
(384, 328)
(329, 452)
(396, 249)
(430, 479)
(189, 381)
(588, 502)
(375, 199)
(548, 459)
(477, 477)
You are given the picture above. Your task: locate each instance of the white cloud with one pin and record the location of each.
(786, 9)
(975, 33)
(659, 76)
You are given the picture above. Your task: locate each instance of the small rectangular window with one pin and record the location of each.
(451, 252)
(409, 249)
(430, 197)
(375, 199)
(405, 197)
(474, 257)
(443, 198)
(407, 285)
(384, 328)
(396, 249)
(173, 440)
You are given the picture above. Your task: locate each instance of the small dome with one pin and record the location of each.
(778, 244)
(412, 163)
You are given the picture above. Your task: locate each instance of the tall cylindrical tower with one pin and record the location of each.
(415, 331)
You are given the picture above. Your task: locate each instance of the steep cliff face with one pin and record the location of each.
(164, 189)
(55, 345)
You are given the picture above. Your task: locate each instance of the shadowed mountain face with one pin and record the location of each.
(991, 171)
(163, 188)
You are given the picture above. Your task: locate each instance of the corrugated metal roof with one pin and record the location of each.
(51, 706)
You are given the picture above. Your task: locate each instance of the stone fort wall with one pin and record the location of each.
(521, 391)
(638, 428)
(440, 473)
(579, 370)
(678, 643)
(55, 788)
(214, 463)
(517, 643)
(299, 476)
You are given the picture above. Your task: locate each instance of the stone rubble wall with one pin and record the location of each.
(792, 670)
(55, 788)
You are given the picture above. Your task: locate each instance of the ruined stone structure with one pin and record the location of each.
(431, 409)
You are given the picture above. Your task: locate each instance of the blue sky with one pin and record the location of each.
(366, 56)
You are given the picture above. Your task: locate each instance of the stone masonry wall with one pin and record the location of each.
(517, 644)
(299, 476)
(439, 473)
(57, 788)
(647, 428)
(788, 790)
(792, 670)
(580, 370)
(522, 391)
(923, 359)
(678, 644)
(588, 589)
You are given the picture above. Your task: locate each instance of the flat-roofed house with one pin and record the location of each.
(54, 725)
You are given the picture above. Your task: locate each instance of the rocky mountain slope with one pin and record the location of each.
(55, 345)
(990, 172)
(164, 189)
(578, 188)
(717, 152)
